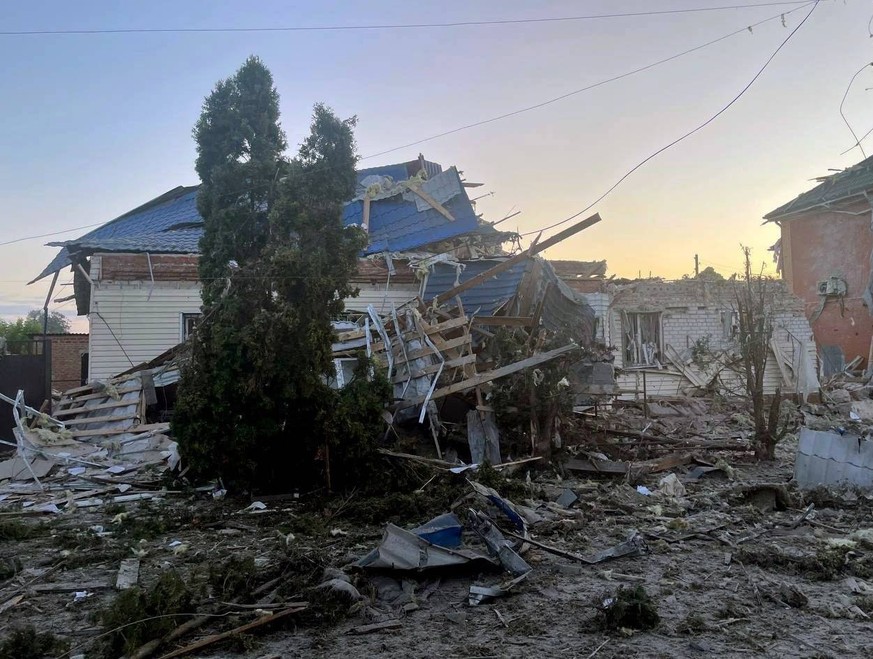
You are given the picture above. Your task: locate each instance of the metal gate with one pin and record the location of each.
(30, 371)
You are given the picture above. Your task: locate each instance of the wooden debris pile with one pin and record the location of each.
(99, 433)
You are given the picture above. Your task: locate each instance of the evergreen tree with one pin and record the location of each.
(253, 405)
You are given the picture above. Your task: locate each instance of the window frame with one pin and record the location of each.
(184, 319)
(627, 317)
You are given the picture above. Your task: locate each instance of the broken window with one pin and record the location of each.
(730, 325)
(642, 339)
(189, 322)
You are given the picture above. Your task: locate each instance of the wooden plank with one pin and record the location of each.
(437, 206)
(781, 362)
(425, 351)
(690, 374)
(366, 216)
(67, 400)
(142, 428)
(433, 368)
(99, 419)
(597, 466)
(429, 330)
(102, 406)
(83, 388)
(482, 378)
(511, 321)
(251, 626)
(534, 249)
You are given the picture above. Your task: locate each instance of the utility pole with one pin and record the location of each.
(696, 266)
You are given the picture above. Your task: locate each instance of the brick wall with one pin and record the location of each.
(67, 350)
(823, 244)
(135, 267)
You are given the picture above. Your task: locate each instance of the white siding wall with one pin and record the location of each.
(125, 318)
(600, 303)
(376, 295)
(143, 319)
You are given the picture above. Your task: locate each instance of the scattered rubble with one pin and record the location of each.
(645, 515)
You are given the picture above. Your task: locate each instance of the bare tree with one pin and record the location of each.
(755, 332)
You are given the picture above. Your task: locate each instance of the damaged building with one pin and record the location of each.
(679, 338)
(824, 255)
(137, 281)
(434, 284)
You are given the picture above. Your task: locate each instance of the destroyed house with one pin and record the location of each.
(824, 255)
(136, 277)
(677, 338)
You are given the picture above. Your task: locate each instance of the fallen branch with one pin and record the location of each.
(376, 627)
(242, 629)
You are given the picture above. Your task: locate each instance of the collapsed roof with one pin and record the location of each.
(410, 205)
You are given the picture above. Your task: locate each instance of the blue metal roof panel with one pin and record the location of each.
(178, 206)
(397, 225)
(481, 300)
(176, 241)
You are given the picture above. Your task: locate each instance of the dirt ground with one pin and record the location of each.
(740, 565)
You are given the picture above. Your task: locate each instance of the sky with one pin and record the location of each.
(97, 124)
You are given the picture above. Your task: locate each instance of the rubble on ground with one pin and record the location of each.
(690, 544)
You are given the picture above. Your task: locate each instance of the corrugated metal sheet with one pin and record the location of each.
(828, 458)
(153, 219)
(482, 300)
(397, 225)
(563, 309)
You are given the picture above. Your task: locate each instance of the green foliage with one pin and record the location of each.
(701, 351)
(27, 643)
(137, 615)
(15, 335)
(628, 608)
(57, 322)
(254, 406)
(353, 425)
(535, 399)
(17, 530)
(233, 579)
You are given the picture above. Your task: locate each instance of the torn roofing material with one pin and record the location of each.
(484, 299)
(562, 309)
(399, 223)
(853, 181)
(579, 269)
(401, 220)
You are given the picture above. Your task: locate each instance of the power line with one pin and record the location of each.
(389, 26)
(605, 81)
(53, 233)
(686, 135)
(506, 115)
(858, 142)
(842, 114)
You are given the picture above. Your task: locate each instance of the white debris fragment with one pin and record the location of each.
(670, 486)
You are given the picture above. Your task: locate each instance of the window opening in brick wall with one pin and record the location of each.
(189, 323)
(642, 338)
(730, 325)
